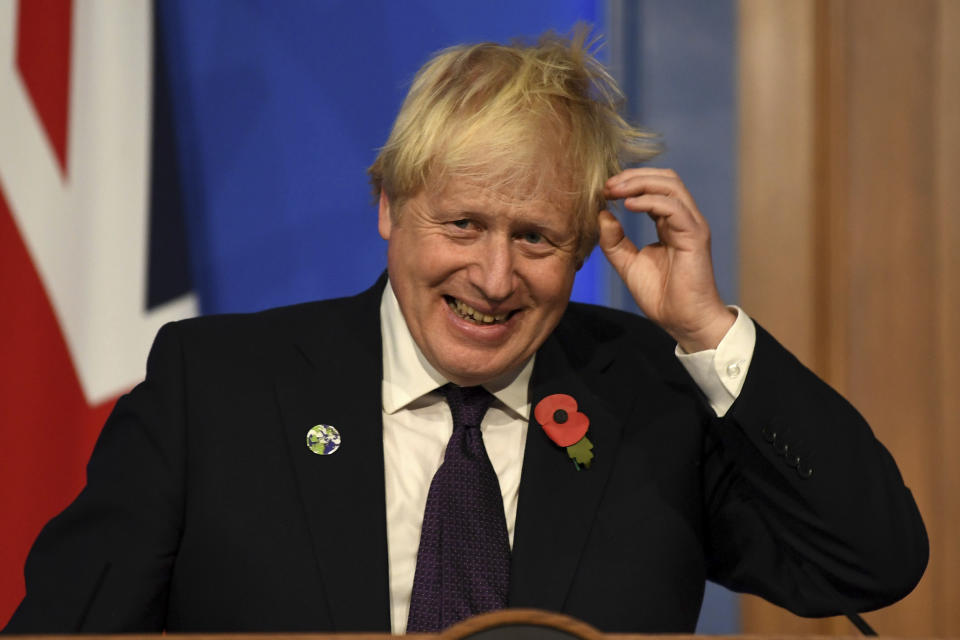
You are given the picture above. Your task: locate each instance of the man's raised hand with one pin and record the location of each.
(671, 280)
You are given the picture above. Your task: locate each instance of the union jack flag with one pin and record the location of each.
(82, 288)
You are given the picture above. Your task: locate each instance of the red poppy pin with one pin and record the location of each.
(566, 426)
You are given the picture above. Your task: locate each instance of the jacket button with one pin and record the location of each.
(768, 434)
(792, 459)
(805, 471)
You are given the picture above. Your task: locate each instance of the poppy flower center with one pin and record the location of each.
(559, 416)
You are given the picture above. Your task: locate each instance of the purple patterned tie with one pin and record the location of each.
(463, 566)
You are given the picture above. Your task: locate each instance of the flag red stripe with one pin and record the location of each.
(47, 430)
(43, 58)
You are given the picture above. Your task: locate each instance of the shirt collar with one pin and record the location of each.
(408, 375)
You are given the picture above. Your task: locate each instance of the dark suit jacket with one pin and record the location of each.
(205, 510)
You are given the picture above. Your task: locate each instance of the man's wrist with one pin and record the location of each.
(721, 372)
(710, 335)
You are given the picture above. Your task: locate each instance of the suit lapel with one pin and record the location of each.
(557, 503)
(333, 377)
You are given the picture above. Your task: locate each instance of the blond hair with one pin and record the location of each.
(501, 113)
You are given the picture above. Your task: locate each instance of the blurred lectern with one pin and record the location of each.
(521, 624)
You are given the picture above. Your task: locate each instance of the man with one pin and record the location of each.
(208, 507)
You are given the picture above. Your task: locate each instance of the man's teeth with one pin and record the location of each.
(467, 311)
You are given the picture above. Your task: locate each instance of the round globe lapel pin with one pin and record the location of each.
(323, 439)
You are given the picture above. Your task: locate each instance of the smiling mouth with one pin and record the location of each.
(467, 312)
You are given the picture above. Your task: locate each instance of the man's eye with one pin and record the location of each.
(461, 224)
(532, 237)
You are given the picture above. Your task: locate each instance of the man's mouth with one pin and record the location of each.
(467, 312)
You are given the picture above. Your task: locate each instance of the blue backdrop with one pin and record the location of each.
(278, 109)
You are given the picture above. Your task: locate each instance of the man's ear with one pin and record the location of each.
(384, 221)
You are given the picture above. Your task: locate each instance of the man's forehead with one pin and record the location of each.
(531, 193)
(535, 166)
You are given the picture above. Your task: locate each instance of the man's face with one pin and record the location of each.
(482, 275)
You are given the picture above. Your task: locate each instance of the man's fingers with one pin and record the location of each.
(618, 248)
(640, 171)
(611, 231)
(652, 185)
(664, 181)
(635, 182)
(658, 206)
(646, 184)
(674, 220)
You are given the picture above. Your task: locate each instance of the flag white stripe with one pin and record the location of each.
(88, 234)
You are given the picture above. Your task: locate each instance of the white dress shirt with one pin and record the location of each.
(417, 424)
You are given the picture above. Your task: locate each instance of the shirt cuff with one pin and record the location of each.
(720, 372)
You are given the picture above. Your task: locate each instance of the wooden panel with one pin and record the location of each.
(778, 253)
(875, 145)
(946, 553)
(890, 246)
(776, 192)
(830, 223)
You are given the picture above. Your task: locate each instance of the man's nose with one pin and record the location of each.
(493, 269)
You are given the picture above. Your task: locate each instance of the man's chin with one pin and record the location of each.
(483, 373)
(470, 379)
(466, 361)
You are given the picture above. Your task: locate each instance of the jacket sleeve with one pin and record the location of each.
(104, 563)
(804, 506)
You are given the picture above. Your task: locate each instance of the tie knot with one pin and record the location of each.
(467, 404)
